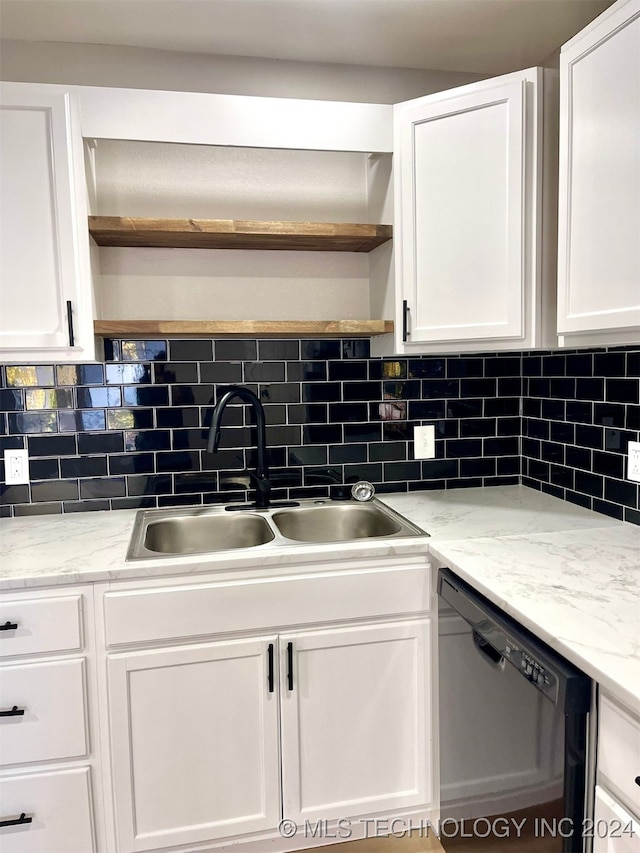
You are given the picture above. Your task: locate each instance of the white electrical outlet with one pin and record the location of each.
(424, 441)
(633, 461)
(16, 467)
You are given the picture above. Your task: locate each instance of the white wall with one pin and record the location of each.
(143, 68)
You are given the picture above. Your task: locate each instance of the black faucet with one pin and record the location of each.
(263, 483)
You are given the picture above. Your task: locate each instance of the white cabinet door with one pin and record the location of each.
(467, 226)
(194, 734)
(354, 718)
(45, 284)
(614, 830)
(599, 210)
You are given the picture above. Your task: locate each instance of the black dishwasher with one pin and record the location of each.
(514, 719)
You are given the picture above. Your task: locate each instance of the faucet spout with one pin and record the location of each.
(263, 483)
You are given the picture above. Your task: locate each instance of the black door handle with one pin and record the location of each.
(637, 780)
(15, 821)
(9, 626)
(270, 667)
(405, 321)
(70, 322)
(290, 666)
(12, 712)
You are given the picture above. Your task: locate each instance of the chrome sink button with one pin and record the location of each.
(362, 490)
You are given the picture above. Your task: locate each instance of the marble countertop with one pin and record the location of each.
(570, 575)
(53, 550)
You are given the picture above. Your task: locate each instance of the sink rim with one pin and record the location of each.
(144, 517)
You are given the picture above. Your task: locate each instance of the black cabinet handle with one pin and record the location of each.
(70, 322)
(13, 712)
(16, 821)
(290, 666)
(637, 780)
(270, 669)
(405, 321)
(9, 626)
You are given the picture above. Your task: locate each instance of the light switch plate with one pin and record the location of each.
(16, 467)
(424, 442)
(633, 461)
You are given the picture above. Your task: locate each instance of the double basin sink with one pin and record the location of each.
(205, 530)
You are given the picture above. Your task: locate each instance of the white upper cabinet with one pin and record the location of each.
(599, 209)
(468, 216)
(45, 285)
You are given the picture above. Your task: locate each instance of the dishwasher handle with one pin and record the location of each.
(490, 654)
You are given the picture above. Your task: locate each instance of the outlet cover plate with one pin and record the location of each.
(424, 442)
(16, 467)
(633, 461)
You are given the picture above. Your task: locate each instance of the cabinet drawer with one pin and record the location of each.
(619, 752)
(614, 830)
(165, 613)
(59, 805)
(42, 625)
(53, 724)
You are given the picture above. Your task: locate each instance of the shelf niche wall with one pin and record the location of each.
(167, 180)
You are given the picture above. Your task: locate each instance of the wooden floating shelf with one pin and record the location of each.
(237, 234)
(244, 328)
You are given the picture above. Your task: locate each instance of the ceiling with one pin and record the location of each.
(482, 36)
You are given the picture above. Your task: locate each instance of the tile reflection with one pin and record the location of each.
(79, 374)
(30, 422)
(22, 377)
(48, 398)
(79, 421)
(95, 398)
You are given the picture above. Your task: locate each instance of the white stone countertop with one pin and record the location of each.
(569, 575)
(53, 550)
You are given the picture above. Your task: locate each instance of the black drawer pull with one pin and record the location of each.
(290, 666)
(13, 712)
(270, 670)
(16, 821)
(637, 780)
(9, 626)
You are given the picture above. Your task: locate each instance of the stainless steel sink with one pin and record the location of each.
(205, 530)
(335, 523)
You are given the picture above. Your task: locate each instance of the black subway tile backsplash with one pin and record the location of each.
(131, 432)
(191, 350)
(166, 373)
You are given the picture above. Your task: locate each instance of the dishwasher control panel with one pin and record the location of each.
(531, 668)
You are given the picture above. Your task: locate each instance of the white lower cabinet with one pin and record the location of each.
(354, 712)
(301, 713)
(195, 743)
(49, 786)
(614, 829)
(200, 744)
